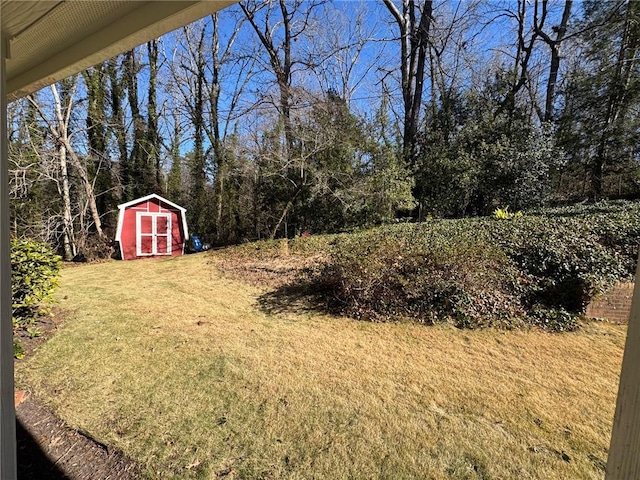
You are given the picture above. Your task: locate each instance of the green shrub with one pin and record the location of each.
(541, 269)
(34, 272)
(556, 320)
(565, 262)
(391, 273)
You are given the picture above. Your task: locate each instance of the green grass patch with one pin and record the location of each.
(176, 365)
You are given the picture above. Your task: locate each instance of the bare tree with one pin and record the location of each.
(279, 48)
(33, 171)
(117, 123)
(414, 22)
(59, 127)
(342, 51)
(218, 127)
(525, 42)
(554, 46)
(205, 72)
(450, 52)
(278, 25)
(620, 91)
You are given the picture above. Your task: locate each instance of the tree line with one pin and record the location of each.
(274, 118)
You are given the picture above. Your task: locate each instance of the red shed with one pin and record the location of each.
(151, 226)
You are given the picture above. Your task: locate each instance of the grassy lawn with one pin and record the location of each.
(177, 365)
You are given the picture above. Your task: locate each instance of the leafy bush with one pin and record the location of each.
(94, 248)
(419, 273)
(564, 261)
(539, 269)
(34, 275)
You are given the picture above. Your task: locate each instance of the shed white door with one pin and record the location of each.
(153, 234)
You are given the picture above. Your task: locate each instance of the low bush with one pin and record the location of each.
(95, 248)
(564, 260)
(304, 245)
(539, 269)
(34, 273)
(421, 273)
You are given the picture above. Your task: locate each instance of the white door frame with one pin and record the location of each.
(154, 233)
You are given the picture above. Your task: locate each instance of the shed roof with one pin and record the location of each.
(123, 206)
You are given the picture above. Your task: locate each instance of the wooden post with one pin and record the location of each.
(8, 469)
(624, 452)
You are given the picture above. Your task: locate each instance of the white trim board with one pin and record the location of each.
(8, 463)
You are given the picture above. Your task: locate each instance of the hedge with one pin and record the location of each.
(539, 269)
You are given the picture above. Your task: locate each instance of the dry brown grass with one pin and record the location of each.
(271, 263)
(176, 365)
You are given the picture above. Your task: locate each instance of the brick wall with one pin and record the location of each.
(614, 305)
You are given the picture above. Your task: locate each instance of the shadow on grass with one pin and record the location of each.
(33, 462)
(300, 297)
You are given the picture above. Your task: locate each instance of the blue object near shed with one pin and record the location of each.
(196, 243)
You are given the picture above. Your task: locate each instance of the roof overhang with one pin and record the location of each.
(48, 40)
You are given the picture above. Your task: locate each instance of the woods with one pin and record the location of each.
(271, 119)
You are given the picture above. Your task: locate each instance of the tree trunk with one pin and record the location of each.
(214, 100)
(62, 136)
(68, 235)
(118, 127)
(142, 176)
(88, 187)
(524, 52)
(414, 41)
(285, 212)
(153, 136)
(617, 95)
(554, 45)
(198, 162)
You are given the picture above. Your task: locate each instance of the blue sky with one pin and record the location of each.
(360, 72)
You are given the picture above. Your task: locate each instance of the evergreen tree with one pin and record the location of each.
(599, 123)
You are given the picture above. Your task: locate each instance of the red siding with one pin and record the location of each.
(128, 234)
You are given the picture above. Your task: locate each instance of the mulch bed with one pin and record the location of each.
(47, 448)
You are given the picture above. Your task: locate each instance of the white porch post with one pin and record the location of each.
(8, 470)
(624, 452)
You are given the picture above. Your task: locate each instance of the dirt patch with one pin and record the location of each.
(272, 272)
(33, 336)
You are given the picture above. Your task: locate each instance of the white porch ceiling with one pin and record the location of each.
(49, 40)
